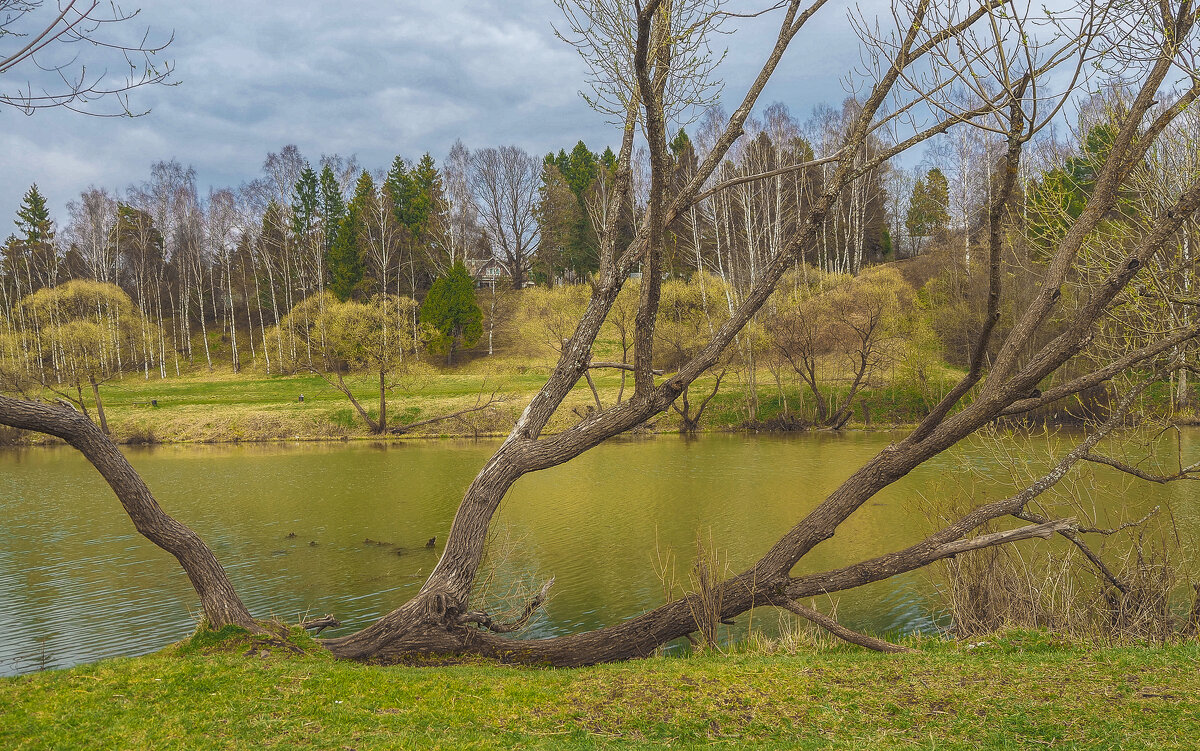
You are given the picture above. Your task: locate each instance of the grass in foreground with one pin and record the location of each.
(1020, 691)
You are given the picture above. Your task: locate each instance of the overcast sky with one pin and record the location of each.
(372, 78)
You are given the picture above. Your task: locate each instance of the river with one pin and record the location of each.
(291, 522)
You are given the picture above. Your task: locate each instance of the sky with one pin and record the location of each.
(375, 79)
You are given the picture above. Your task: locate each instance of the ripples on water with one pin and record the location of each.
(77, 584)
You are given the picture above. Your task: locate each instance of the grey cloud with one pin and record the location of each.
(372, 78)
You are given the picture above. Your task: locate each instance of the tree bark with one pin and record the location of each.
(362, 411)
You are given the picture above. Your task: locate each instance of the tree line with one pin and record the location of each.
(234, 262)
(258, 272)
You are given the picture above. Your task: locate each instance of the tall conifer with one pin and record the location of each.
(345, 260)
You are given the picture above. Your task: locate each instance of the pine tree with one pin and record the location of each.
(451, 312)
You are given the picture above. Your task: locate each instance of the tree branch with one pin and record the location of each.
(482, 619)
(840, 631)
(401, 429)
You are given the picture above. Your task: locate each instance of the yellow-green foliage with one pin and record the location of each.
(831, 315)
(616, 336)
(547, 316)
(375, 334)
(82, 329)
(689, 314)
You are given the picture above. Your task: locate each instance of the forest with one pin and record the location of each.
(300, 270)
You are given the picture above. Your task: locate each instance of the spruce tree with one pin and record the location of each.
(609, 159)
(580, 170)
(451, 312)
(345, 259)
(305, 204)
(33, 218)
(428, 183)
(33, 256)
(415, 192)
(927, 208)
(332, 207)
(402, 187)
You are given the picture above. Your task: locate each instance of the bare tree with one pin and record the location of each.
(459, 233)
(853, 321)
(345, 169)
(505, 182)
(66, 48)
(1023, 59)
(90, 230)
(220, 226)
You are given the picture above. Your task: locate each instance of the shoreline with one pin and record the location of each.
(30, 440)
(225, 408)
(36, 440)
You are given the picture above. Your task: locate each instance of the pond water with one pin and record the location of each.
(290, 523)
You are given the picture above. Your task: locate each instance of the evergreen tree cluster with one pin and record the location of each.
(569, 247)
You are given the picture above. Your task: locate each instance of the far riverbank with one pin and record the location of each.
(254, 407)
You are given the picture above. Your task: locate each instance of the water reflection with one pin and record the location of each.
(299, 528)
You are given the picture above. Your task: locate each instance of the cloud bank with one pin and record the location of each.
(374, 78)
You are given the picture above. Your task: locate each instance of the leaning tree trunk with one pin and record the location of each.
(382, 426)
(221, 605)
(99, 405)
(438, 619)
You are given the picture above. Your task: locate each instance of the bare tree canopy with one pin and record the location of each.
(1021, 66)
(505, 181)
(76, 54)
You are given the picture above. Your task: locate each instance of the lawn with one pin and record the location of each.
(1023, 690)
